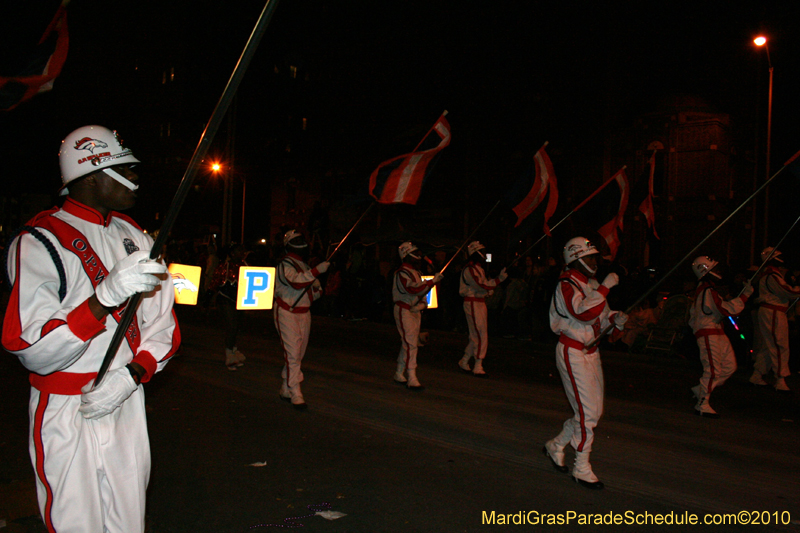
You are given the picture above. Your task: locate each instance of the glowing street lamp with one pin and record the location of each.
(762, 41)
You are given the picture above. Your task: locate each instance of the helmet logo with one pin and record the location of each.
(87, 143)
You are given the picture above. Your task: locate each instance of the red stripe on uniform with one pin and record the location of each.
(38, 445)
(710, 364)
(775, 341)
(406, 346)
(577, 399)
(283, 345)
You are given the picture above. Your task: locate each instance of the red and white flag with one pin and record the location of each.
(400, 180)
(530, 190)
(610, 230)
(646, 207)
(43, 65)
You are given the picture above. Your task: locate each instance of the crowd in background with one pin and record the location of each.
(358, 288)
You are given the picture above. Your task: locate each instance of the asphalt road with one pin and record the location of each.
(439, 460)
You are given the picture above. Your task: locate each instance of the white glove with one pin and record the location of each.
(132, 275)
(620, 319)
(115, 388)
(503, 275)
(611, 281)
(323, 267)
(748, 289)
(438, 277)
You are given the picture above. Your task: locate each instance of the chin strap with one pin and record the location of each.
(593, 272)
(121, 179)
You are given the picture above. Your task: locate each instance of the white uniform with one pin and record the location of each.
(408, 292)
(294, 323)
(578, 313)
(771, 342)
(705, 318)
(474, 288)
(91, 475)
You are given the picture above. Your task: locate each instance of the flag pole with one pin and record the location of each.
(771, 253)
(335, 250)
(531, 247)
(188, 178)
(692, 251)
(444, 114)
(470, 236)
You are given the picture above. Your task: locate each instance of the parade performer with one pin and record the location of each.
(474, 287)
(578, 313)
(408, 294)
(705, 318)
(296, 288)
(70, 268)
(771, 339)
(226, 282)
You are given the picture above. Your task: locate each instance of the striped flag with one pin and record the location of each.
(646, 207)
(400, 180)
(609, 231)
(43, 65)
(530, 190)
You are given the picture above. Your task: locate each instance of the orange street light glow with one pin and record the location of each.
(215, 167)
(760, 41)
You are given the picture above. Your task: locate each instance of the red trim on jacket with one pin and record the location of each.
(64, 383)
(568, 290)
(83, 323)
(572, 343)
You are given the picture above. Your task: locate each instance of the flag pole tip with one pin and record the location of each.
(445, 113)
(546, 143)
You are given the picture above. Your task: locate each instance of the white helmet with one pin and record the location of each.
(89, 149)
(578, 247)
(407, 249)
(703, 265)
(473, 247)
(775, 255)
(291, 235)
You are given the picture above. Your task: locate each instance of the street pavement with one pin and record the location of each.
(230, 456)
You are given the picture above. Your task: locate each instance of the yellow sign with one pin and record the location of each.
(186, 280)
(256, 288)
(432, 298)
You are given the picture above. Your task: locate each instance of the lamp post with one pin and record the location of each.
(225, 236)
(762, 41)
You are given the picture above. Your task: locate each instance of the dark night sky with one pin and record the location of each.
(511, 73)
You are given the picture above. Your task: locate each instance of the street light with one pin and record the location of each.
(762, 41)
(225, 236)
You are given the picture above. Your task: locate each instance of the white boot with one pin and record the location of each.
(398, 375)
(285, 393)
(298, 402)
(556, 455)
(757, 378)
(582, 472)
(478, 368)
(230, 359)
(464, 363)
(696, 392)
(780, 385)
(240, 359)
(704, 409)
(413, 382)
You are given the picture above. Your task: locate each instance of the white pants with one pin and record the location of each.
(408, 325)
(582, 376)
(719, 361)
(771, 343)
(293, 329)
(91, 475)
(477, 321)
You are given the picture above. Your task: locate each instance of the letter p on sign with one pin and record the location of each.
(256, 288)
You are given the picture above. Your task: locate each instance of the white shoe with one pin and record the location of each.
(703, 409)
(285, 393)
(399, 377)
(478, 368)
(555, 455)
(780, 385)
(413, 383)
(298, 402)
(230, 359)
(757, 378)
(464, 363)
(240, 359)
(583, 474)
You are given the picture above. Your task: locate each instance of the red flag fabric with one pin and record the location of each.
(646, 207)
(399, 180)
(610, 229)
(43, 66)
(535, 187)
